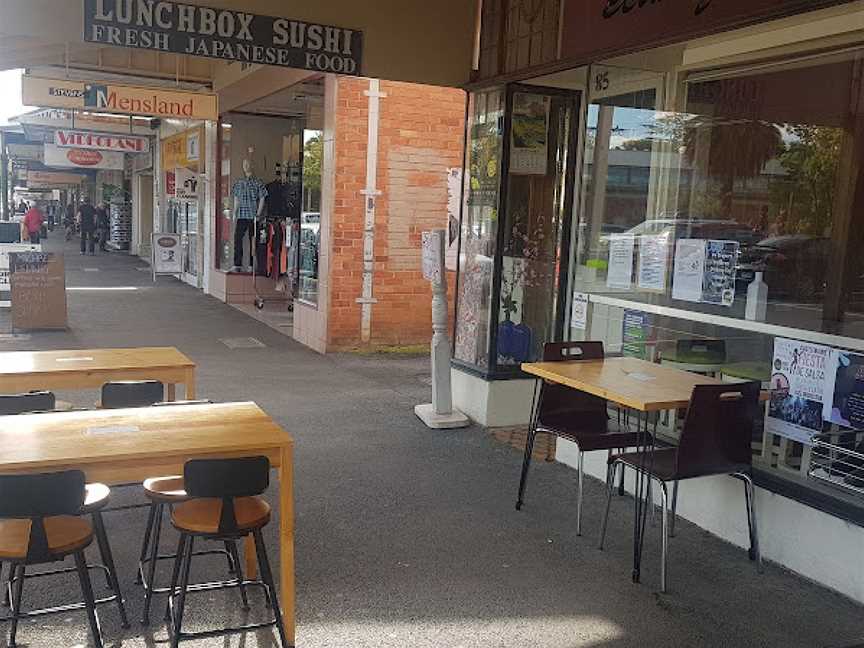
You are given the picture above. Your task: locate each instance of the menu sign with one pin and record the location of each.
(38, 282)
(223, 34)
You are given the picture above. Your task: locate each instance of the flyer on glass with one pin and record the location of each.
(844, 390)
(620, 273)
(689, 270)
(799, 381)
(653, 261)
(721, 259)
(579, 312)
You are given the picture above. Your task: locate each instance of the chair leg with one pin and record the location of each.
(580, 467)
(621, 479)
(89, 600)
(175, 573)
(750, 496)
(231, 548)
(151, 566)
(181, 594)
(145, 545)
(6, 600)
(652, 510)
(674, 509)
(108, 561)
(664, 531)
(17, 579)
(267, 575)
(526, 464)
(610, 487)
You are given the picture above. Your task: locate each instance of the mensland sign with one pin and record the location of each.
(82, 158)
(113, 98)
(101, 141)
(223, 34)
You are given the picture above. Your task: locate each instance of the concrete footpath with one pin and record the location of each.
(407, 537)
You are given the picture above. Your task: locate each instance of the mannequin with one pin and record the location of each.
(249, 197)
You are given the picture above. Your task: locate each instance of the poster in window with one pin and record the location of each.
(653, 262)
(483, 165)
(529, 134)
(636, 334)
(579, 312)
(844, 391)
(620, 273)
(689, 270)
(799, 376)
(721, 258)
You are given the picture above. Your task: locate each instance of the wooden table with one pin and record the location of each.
(91, 368)
(640, 385)
(128, 445)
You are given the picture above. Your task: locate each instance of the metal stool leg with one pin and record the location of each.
(674, 509)
(750, 495)
(108, 560)
(610, 487)
(664, 527)
(579, 473)
(526, 464)
(175, 573)
(17, 577)
(89, 601)
(181, 594)
(151, 567)
(267, 575)
(145, 545)
(231, 547)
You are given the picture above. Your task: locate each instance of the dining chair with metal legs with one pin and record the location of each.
(715, 440)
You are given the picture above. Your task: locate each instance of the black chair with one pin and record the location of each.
(40, 524)
(573, 415)
(35, 401)
(715, 440)
(131, 393)
(224, 506)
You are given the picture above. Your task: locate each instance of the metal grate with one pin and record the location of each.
(838, 459)
(242, 343)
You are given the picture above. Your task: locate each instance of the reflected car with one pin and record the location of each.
(793, 266)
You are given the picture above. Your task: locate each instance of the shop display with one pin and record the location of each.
(120, 233)
(249, 193)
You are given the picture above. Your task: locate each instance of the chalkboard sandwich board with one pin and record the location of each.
(38, 286)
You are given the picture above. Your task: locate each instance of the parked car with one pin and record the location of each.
(793, 266)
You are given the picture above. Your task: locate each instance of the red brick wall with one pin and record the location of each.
(420, 135)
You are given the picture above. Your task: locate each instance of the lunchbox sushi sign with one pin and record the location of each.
(223, 34)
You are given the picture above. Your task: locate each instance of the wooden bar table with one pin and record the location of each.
(91, 368)
(640, 385)
(127, 445)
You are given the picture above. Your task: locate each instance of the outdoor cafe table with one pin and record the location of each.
(91, 368)
(637, 384)
(126, 445)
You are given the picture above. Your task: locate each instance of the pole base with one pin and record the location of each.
(454, 419)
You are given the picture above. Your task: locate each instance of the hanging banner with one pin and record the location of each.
(223, 34)
(82, 158)
(101, 141)
(113, 98)
(799, 380)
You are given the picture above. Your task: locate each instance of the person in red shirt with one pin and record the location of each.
(33, 220)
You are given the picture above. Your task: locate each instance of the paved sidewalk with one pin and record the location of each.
(407, 537)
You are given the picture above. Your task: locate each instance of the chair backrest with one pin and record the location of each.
(132, 393)
(718, 429)
(39, 496)
(227, 479)
(37, 401)
(707, 351)
(560, 400)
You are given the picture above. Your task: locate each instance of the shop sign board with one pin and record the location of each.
(75, 158)
(28, 152)
(39, 125)
(591, 28)
(185, 184)
(101, 141)
(5, 249)
(177, 151)
(51, 179)
(167, 257)
(38, 286)
(149, 101)
(223, 34)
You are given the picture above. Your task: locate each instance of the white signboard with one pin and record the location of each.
(29, 152)
(56, 156)
(186, 184)
(653, 262)
(620, 274)
(5, 249)
(799, 388)
(101, 141)
(689, 270)
(167, 256)
(579, 312)
(433, 255)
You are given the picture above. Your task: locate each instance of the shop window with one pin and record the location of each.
(310, 218)
(740, 222)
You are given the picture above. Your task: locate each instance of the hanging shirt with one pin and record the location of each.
(247, 193)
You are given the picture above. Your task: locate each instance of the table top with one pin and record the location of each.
(16, 363)
(59, 439)
(635, 383)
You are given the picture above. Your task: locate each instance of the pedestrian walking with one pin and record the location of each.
(87, 223)
(102, 225)
(33, 219)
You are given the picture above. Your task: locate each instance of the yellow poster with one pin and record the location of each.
(184, 149)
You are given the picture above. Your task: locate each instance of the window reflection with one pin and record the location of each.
(310, 217)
